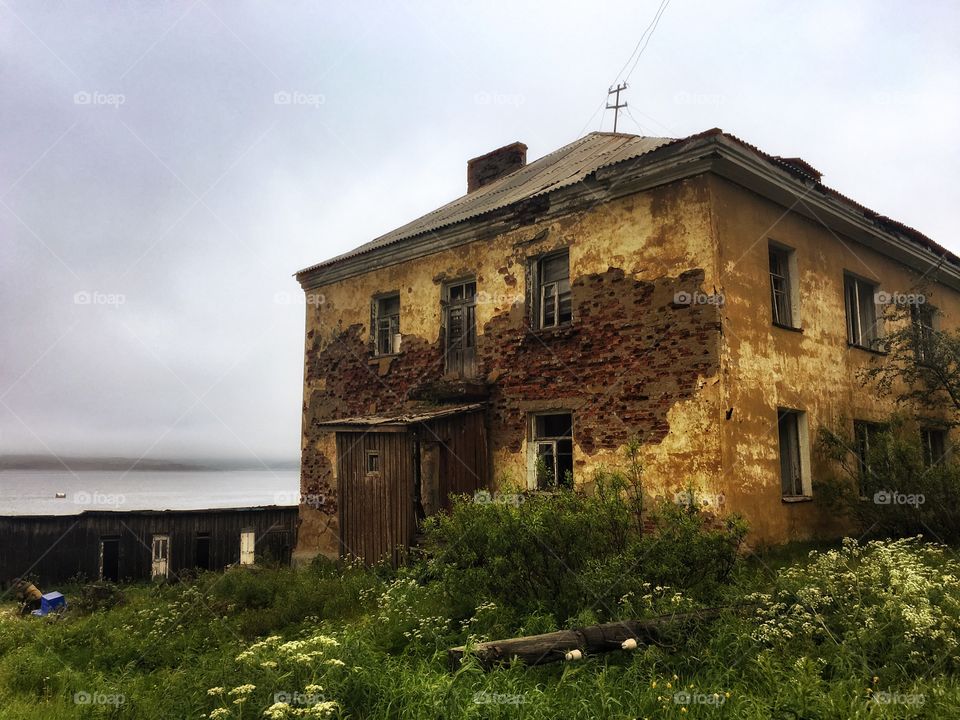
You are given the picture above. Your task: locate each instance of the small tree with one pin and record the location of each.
(921, 367)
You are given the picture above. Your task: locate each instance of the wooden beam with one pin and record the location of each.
(555, 646)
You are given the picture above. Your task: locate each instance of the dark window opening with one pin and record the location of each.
(934, 443)
(387, 324)
(781, 297)
(863, 328)
(791, 461)
(554, 300)
(201, 558)
(922, 320)
(865, 438)
(110, 559)
(553, 444)
(373, 462)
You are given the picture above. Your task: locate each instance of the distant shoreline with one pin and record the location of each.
(47, 462)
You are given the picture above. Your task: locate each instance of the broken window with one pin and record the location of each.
(554, 302)
(934, 443)
(460, 300)
(386, 322)
(865, 437)
(862, 323)
(553, 450)
(794, 480)
(782, 286)
(922, 318)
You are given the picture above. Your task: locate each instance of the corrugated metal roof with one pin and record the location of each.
(410, 417)
(566, 166)
(575, 162)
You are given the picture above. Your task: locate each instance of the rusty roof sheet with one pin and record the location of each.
(409, 417)
(566, 166)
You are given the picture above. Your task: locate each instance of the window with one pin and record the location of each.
(783, 286)
(373, 462)
(862, 324)
(247, 547)
(934, 443)
(386, 312)
(794, 454)
(554, 306)
(552, 450)
(460, 314)
(864, 438)
(922, 318)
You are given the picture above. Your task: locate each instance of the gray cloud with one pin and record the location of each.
(157, 192)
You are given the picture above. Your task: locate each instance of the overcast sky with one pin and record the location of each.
(167, 166)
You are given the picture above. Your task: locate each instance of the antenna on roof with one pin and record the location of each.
(616, 103)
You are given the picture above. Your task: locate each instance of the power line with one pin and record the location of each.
(649, 31)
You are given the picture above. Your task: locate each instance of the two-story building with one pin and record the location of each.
(697, 294)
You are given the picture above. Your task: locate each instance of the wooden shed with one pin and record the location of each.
(394, 471)
(139, 545)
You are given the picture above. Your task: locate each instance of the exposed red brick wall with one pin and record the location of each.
(630, 354)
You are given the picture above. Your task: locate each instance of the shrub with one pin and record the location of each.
(566, 551)
(886, 607)
(897, 494)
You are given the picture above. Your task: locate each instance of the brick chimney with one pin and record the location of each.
(494, 165)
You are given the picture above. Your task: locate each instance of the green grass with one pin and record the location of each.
(375, 643)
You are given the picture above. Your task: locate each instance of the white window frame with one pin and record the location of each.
(534, 443)
(854, 312)
(791, 278)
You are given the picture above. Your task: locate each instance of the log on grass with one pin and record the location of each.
(554, 646)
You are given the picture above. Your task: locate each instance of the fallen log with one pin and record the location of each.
(573, 644)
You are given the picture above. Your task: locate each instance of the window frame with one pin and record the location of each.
(933, 456)
(560, 296)
(802, 442)
(923, 333)
(377, 317)
(853, 311)
(863, 430)
(790, 292)
(538, 441)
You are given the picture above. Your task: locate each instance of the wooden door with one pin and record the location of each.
(375, 474)
(461, 329)
(161, 556)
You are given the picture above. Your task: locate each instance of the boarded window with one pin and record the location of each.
(247, 546)
(553, 450)
(386, 322)
(863, 329)
(460, 313)
(554, 301)
(794, 458)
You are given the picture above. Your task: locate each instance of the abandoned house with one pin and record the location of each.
(711, 300)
